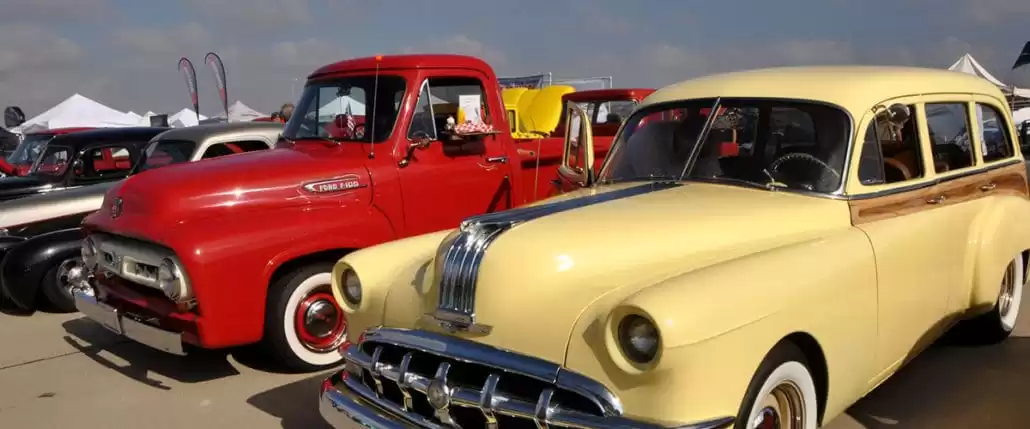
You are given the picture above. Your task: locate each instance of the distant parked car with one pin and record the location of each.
(19, 161)
(80, 158)
(40, 236)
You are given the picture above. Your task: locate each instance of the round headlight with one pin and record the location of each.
(168, 279)
(351, 287)
(638, 339)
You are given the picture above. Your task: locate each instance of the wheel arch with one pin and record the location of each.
(289, 265)
(817, 365)
(1003, 235)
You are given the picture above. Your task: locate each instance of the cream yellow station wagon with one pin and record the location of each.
(760, 249)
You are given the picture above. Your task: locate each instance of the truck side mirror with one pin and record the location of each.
(577, 161)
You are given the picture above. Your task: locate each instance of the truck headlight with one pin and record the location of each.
(89, 252)
(169, 279)
(638, 339)
(350, 285)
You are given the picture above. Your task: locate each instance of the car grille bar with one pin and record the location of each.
(423, 378)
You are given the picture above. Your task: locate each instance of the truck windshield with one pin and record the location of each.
(29, 149)
(165, 152)
(764, 143)
(341, 109)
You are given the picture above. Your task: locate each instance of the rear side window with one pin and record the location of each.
(995, 141)
(948, 124)
(233, 147)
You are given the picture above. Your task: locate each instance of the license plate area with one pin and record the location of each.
(99, 312)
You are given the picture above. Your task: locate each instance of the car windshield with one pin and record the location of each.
(165, 152)
(29, 149)
(752, 142)
(53, 162)
(338, 109)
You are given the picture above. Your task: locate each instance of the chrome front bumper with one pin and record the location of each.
(110, 318)
(347, 401)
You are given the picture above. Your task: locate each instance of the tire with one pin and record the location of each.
(996, 325)
(295, 340)
(782, 384)
(56, 287)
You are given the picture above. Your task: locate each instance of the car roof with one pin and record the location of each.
(107, 135)
(202, 132)
(855, 88)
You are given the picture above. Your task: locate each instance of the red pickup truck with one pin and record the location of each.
(239, 250)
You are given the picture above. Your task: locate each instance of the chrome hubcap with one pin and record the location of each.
(1008, 290)
(69, 274)
(320, 319)
(783, 408)
(320, 324)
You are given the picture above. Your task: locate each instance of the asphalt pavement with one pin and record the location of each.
(65, 371)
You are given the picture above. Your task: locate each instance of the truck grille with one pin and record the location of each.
(434, 380)
(132, 260)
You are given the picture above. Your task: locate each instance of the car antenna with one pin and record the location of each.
(375, 97)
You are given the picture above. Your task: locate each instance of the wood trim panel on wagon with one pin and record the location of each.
(1006, 179)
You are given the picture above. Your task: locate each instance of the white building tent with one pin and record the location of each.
(77, 111)
(969, 65)
(339, 107)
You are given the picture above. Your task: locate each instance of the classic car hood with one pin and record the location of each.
(275, 178)
(64, 202)
(537, 277)
(18, 186)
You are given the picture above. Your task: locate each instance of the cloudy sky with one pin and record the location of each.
(123, 53)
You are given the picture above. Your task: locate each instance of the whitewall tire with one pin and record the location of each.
(782, 393)
(304, 327)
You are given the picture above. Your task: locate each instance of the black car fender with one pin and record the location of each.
(25, 264)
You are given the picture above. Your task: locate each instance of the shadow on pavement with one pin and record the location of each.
(954, 386)
(295, 404)
(140, 362)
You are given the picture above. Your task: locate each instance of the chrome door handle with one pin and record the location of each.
(936, 200)
(497, 159)
(989, 186)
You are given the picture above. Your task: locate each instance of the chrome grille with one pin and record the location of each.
(400, 370)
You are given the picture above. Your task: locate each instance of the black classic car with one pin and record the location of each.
(81, 158)
(40, 239)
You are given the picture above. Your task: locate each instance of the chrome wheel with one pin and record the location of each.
(1008, 290)
(70, 273)
(782, 408)
(321, 324)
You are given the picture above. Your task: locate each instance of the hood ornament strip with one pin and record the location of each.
(460, 255)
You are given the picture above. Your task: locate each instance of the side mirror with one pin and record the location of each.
(77, 167)
(577, 161)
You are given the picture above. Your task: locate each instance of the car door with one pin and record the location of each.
(891, 201)
(445, 179)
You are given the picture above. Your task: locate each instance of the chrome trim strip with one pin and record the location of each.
(462, 254)
(345, 399)
(935, 182)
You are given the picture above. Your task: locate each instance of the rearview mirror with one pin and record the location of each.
(577, 161)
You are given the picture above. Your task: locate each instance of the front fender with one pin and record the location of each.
(24, 265)
(393, 278)
(717, 324)
(1004, 232)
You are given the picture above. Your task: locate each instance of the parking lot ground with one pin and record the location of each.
(65, 371)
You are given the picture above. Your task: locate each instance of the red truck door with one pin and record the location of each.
(451, 178)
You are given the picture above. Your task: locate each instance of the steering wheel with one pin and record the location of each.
(809, 159)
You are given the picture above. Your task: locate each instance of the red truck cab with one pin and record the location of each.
(239, 250)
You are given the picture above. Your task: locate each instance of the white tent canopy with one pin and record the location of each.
(969, 65)
(77, 111)
(1021, 115)
(183, 118)
(239, 112)
(339, 107)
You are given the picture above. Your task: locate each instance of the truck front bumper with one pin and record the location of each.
(127, 326)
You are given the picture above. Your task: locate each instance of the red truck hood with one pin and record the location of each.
(270, 179)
